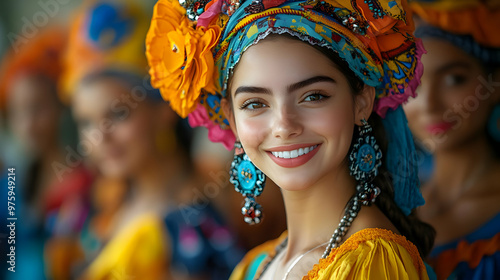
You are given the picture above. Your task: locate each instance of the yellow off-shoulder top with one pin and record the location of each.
(138, 251)
(368, 254)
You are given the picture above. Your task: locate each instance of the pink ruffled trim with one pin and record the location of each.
(206, 17)
(393, 100)
(199, 117)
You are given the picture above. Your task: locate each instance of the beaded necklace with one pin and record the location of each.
(351, 211)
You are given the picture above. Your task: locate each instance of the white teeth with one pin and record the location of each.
(294, 153)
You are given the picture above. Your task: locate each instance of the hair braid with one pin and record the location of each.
(419, 233)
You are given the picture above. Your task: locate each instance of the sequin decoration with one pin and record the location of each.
(230, 6)
(377, 10)
(194, 8)
(350, 21)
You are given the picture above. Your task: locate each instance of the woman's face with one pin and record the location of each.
(118, 128)
(293, 112)
(34, 113)
(453, 101)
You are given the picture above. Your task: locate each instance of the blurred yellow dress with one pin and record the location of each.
(368, 254)
(138, 251)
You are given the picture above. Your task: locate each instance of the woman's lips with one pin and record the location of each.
(294, 155)
(438, 128)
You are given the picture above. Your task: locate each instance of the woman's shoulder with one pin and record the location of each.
(372, 253)
(477, 253)
(252, 261)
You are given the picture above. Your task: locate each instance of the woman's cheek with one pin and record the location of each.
(330, 120)
(252, 132)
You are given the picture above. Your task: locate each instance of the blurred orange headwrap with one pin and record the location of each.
(105, 34)
(40, 55)
(478, 18)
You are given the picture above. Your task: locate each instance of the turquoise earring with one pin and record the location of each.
(249, 181)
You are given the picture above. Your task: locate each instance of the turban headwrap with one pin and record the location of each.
(191, 61)
(471, 25)
(107, 39)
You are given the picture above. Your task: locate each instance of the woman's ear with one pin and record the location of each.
(228, 112)
(363, 104)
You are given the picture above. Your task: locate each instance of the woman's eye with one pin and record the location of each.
(118, 115)
(315, 97)
(253, 105)
(454, 80)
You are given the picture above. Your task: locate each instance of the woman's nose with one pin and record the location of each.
(286, 124)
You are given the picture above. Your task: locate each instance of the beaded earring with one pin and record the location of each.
(249, 181)
(365, 159)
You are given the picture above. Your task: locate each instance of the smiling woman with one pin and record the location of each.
(311, 90)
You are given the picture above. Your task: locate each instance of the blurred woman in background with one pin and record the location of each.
(456, 116)
(51, 192)
(132, 135)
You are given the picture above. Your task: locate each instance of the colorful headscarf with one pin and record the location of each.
(107, 36)
(471, 25)
(192, 61)
(40, 55)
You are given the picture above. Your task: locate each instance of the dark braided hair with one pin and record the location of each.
(419, 233)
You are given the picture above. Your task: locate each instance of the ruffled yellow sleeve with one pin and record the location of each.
(139, 251)
(371, 254)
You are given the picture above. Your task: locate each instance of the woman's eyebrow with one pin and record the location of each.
(250, 89)
(455, 64)
(310, 81)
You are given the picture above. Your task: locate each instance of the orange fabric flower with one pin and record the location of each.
(180, 56)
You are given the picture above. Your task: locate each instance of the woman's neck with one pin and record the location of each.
(161, 178)
(154, 189)
(455, 168)
(313, 214)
